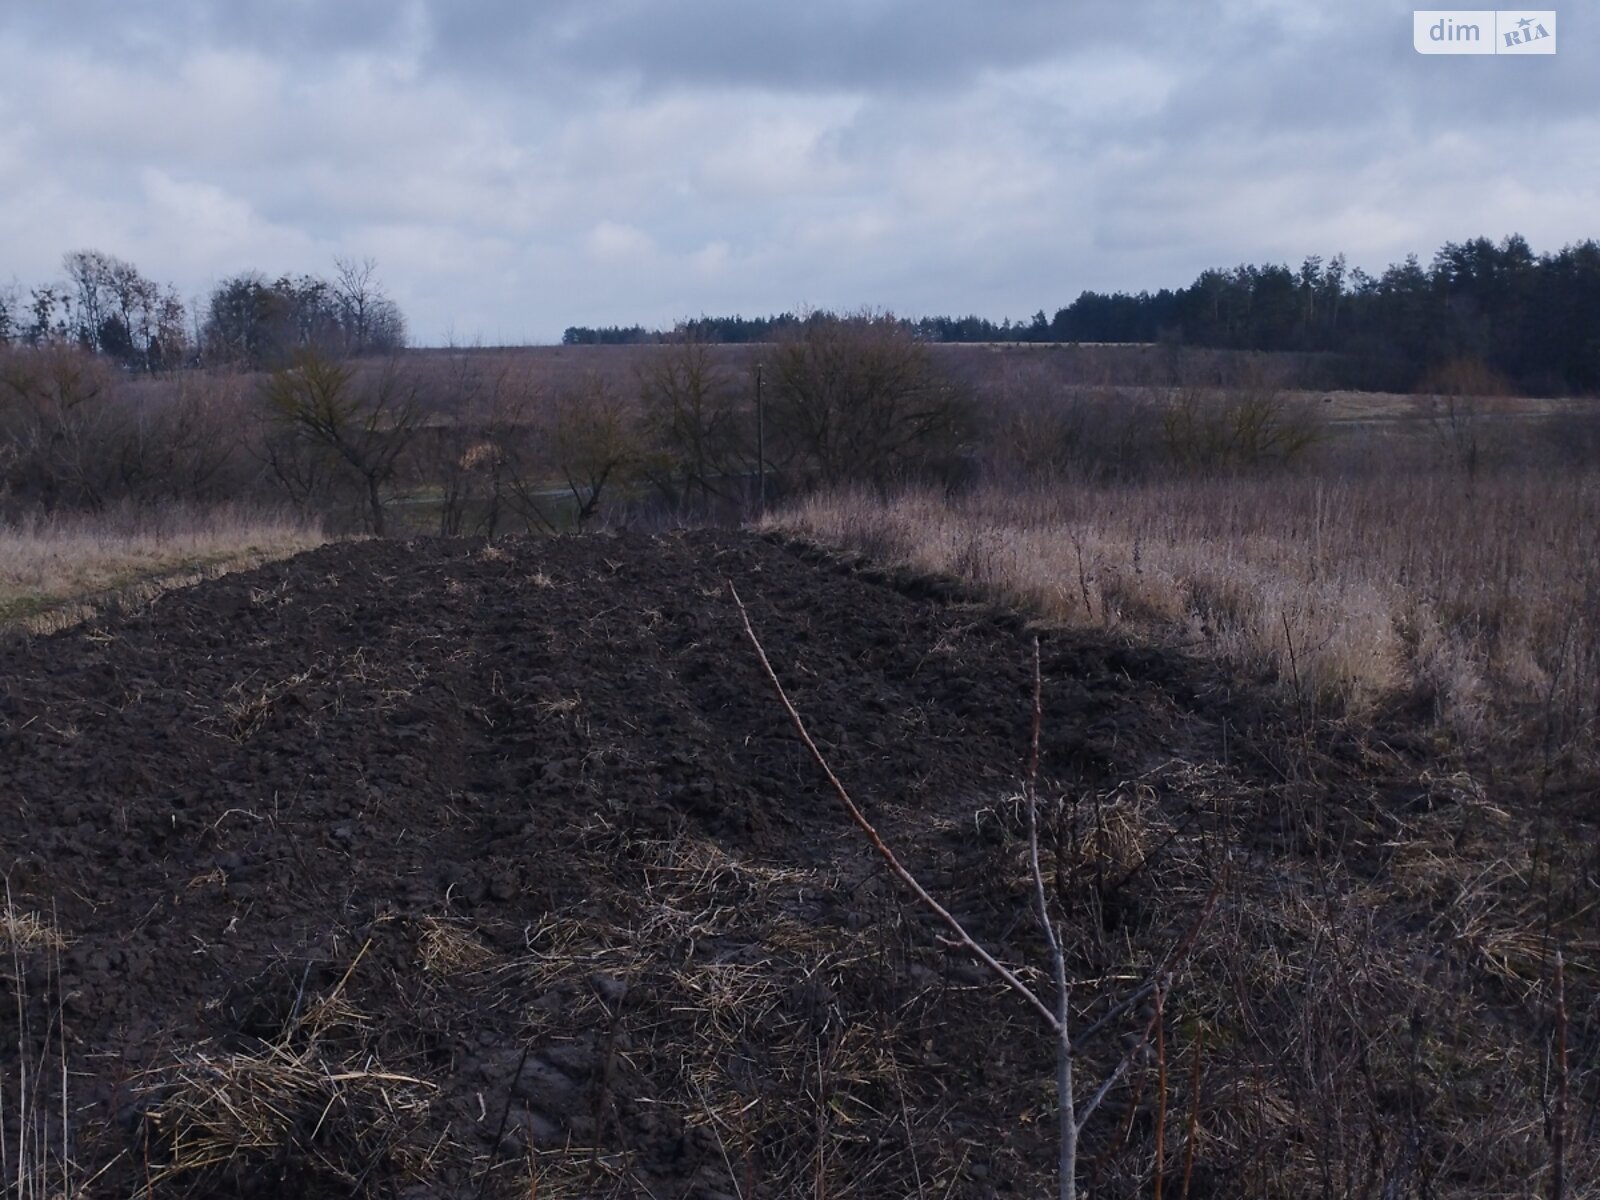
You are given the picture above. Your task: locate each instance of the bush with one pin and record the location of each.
(1241, 430)
(75, 435)
(859, 399)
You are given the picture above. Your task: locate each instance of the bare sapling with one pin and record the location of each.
(1056, 1014)
(1193, 1138)
(1558, 1118)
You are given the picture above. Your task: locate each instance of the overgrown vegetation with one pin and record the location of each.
(1480, 606)
(1384, 1003)
(860, 399)
(57, 569)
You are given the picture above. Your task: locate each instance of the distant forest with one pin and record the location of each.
(1496, 313)
(110, 307)
(1524, 321)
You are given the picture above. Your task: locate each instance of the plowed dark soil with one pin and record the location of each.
(441, 869)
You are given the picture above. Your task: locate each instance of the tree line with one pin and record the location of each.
(1527, 321)
(109, 307)
(1531, 319)
(738, 330)
(723, 330)
(475, 443)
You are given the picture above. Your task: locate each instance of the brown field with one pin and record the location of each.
(437, 868)
(995, 372)
(410, 867)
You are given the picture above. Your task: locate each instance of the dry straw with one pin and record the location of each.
(1480, 598)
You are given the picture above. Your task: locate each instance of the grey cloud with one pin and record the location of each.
(859, 45)
(1358, 74)
(848, 46)
(620, 160)
(162, 30)
(864, 46)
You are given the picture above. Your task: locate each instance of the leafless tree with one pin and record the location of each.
(119, 312)
(506, 458)
(362, 424)
(1253, 426)
(371, 321)
(478, 447)
(57, 420)
(690, 421)
(75, 435)
(859, 399)
(88, 271)
(592, 438)
(1457, 399)
(356, 286)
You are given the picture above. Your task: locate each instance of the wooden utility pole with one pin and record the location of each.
(761, 447)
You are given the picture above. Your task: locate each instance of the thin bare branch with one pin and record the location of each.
(1003, 973)
(1067, 1148)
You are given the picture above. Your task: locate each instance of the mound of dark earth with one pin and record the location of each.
(434, 868)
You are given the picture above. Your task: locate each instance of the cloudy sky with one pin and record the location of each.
(517, 166)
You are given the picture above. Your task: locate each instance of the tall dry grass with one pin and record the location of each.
(1376, 1023)
(1478, 596)
(55, 569)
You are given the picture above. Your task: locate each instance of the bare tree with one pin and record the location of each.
(689, 420)
(593, 441)
(119, 312)
(860, 399)
(73, 435)
(447, 441)
(477, 448)
(356, 286)
(58, 422)
(146, 318)
(505, 459)
(371, 321)
(362, 424)
(1458, 400)
(89, 273)
(1246, 428)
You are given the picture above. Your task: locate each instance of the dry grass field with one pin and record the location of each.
(1478, 599)
(56, 570)
(1432, 638)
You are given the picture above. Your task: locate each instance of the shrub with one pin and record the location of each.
(859, 399)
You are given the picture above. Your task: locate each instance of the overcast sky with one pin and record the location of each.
(516, 166)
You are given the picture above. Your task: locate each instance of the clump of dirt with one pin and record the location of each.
(438, 868)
